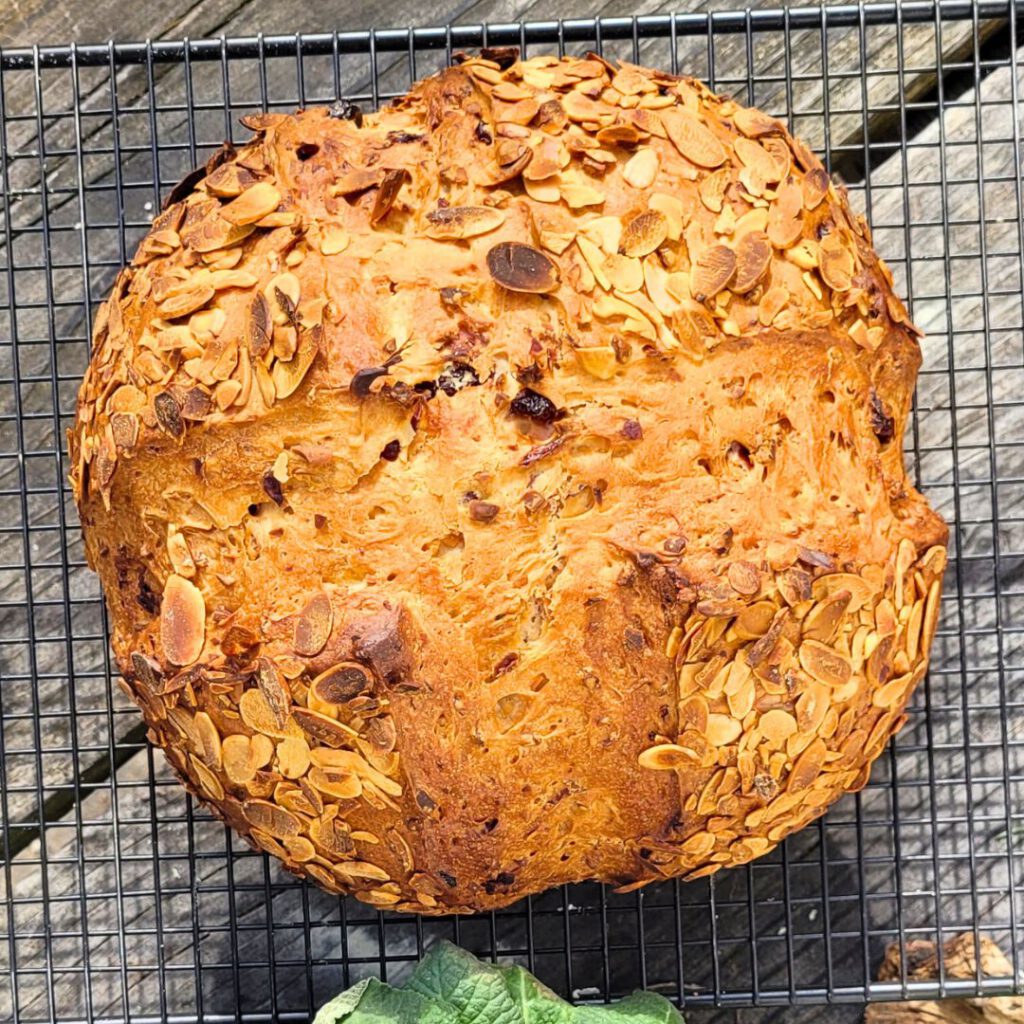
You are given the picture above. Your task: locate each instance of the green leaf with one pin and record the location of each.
(373, 1002)
(639, 1008)
(450, 986)
(473, 992)
(536, 1003)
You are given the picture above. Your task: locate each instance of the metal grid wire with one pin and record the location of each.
(122, 899)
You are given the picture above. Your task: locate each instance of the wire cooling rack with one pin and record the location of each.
(122, 900)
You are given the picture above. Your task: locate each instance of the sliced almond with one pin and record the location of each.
(342, 682)
(753, 254)
(323, 728)
(667, 757)
(313, 625)
(711, 271)
(824, 663)
(333, 240)
(641, 169)
(521, 268)
(753, 123)
(271, 818)
(463, 221)
(253, 204)
(785, 215)
(288, 375)
(644, 233)
(835, 262)
(692, 138)
(182, 621)
(274, 691)
(625, 273)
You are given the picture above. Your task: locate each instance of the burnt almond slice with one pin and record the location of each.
(182, 621)
(387, 194)
(521, 268)
(323, 728)
(340, 683)
(270, 684)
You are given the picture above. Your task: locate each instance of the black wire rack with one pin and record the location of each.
(120, 899)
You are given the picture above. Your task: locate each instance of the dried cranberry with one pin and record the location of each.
(535, 406)
(391, 450)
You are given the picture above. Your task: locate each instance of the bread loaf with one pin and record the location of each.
(506, 488)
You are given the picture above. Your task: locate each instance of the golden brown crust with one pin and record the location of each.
(508, 490)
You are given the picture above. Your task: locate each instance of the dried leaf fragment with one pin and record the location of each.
(182, 621)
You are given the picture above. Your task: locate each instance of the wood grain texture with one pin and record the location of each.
(211, 933)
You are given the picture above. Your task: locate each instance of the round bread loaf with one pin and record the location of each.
(506, 488)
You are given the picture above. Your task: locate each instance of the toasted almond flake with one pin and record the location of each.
(270, 818)
(182, 621)
(253, 204)
(835, 262)
(785, 215)
(712, 271)
(555, 241)
(209, 784)
(334, 239)
(723, 730)
(522, 268)
(692, 138)
(293, 757)
(323, 728)
(815, 187)
(578, 195)
(625, 273)
(804, 254)
(824, 663)
(667, 757)
(595, 260)
(544, 190)
(237, 764)
(313, 625)
(463, 221)
(274, 691)
(604, 232)
(282, 294)
(772, 304)
(644, 233)
(674, 211)
(288, 375)
(753, 254)
(777, 726)
(641, 169)
(753, 123)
